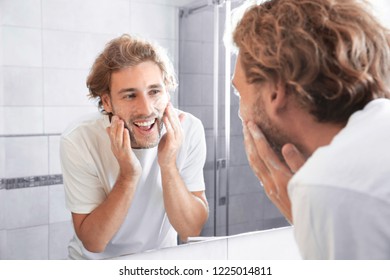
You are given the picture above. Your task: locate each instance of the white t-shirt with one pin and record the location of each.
(341, 195)
(90, 170)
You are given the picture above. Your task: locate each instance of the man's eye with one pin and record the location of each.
(154, 91)
(128, 96)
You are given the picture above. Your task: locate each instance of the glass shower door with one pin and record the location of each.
(236, 199)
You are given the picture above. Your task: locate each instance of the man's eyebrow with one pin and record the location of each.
(130, 90)
(155, 86)
(125, 90)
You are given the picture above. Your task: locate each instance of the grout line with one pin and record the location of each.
(29, 135)
(30, 181)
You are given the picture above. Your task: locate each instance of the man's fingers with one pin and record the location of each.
(126, 138)
(167, 124)
(256, 163)
(172, 118)
(119, 133)
(182, 116)
(293, 157)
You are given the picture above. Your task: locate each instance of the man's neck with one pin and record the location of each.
(311, 134)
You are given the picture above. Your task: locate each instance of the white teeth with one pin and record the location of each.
(148, 123)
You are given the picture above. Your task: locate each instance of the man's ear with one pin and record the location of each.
(277, 98)
(106, 100)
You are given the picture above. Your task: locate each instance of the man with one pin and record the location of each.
(313, 79)
(133, 175)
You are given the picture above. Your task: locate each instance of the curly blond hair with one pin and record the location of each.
(122, 52)
(332, 55)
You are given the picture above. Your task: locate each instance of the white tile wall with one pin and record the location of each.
(27, 207)
(2, 209)
(235, 121)
(198, 26)
(238, 155)
(208, 24)
(23, 120)
(2, 156)
(275, 223)
(59, 237)
(243, 180)
(171, 47)
(102, 16)
(209, 179)
(252, 225)
(207, 90)
(28, 243)
(190, 59)
(207, 52)
(74, 50)
(65, 87)
(169, 2)
(270, 210)
(1, 14)
(26, 156)
(192, 83)
(191, 28)
(153, 20)
(1, 76)
(22, 46)
(245, 207)
(58, 118)
(2, 130)
(57, 209)
(381, 9)
(54, 155)
(28, 13)
(25, 84)
(3, 244)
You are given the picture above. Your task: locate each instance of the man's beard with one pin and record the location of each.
(275, 137)
(146, 142)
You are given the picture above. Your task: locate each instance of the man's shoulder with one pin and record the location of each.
(91, 123)
(190, 122)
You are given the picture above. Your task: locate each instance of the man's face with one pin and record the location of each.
(252, 108)
(138, 97)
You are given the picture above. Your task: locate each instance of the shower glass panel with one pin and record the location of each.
(236, 199)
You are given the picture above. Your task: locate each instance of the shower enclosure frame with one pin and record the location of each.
(220, 163)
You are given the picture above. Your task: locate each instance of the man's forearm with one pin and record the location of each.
(186, 212)
(96, 229)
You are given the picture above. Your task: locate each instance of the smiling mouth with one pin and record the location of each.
(145, 125)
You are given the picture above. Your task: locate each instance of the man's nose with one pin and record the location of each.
(145, 105)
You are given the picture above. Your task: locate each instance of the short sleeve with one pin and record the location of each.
(83, 189)
(195, 156)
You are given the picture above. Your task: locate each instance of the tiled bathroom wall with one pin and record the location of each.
(46, 50)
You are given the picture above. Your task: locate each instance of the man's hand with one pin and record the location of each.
(129, 166)
(171, 141)
(273, 173)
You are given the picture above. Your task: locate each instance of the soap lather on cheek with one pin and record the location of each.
(255, 131)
